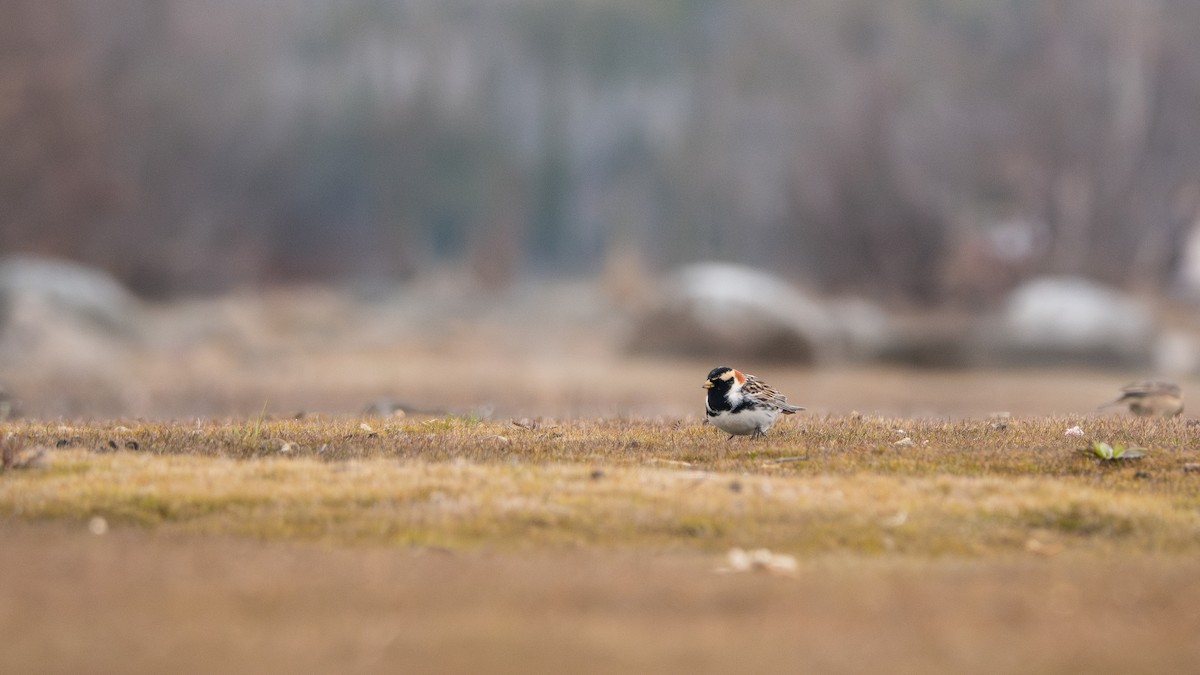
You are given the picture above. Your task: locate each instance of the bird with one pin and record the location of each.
(741, 404)
(1151, 398)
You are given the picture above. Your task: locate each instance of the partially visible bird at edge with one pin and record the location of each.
(1150, 398)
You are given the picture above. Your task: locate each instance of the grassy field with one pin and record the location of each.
(454, 544)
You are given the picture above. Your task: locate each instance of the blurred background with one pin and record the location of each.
(579, 206)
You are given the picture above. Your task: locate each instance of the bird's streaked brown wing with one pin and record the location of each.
(764, 393)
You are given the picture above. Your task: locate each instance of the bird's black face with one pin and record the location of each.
(719, 378)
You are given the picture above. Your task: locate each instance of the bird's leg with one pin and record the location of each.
(757, 433)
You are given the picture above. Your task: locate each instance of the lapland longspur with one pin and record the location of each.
(1151, 398)
(741, 404)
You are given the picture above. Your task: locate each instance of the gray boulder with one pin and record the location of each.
(727, 311)
(68, 289)
(1072, 320)
(64, 318)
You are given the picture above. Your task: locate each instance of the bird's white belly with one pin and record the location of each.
(744, 422)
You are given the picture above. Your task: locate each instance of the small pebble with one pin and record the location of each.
(98, 526)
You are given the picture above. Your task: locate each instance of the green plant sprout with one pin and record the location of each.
(1113, 452)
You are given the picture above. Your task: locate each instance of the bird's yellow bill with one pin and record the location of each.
(707, 384)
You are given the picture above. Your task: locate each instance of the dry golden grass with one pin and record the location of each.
(461, 545)
(854, 485)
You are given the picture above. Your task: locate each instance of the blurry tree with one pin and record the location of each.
(919, 151)
(53, 179)
(1065, 117)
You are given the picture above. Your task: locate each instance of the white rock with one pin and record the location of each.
(719, 309)
(1068, 319)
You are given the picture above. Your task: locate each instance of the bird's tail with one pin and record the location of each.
(788, 409)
